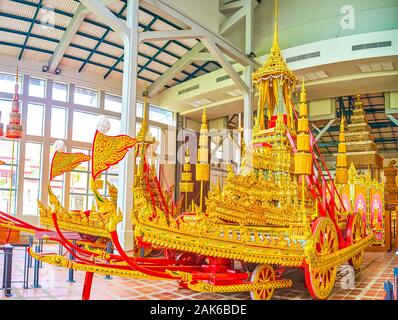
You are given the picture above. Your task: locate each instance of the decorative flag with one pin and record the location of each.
(64, 162)
(109, 150)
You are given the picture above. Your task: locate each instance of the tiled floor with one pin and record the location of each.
(376, 268)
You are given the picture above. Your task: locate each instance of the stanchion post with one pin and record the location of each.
(41, 250)
(26, 269)
(109, 249)
(7, 269)
(36, 270)
(71, 271)
(396, 283)
(30, 262)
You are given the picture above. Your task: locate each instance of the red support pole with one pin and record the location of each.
(324, 194)
(88, 281)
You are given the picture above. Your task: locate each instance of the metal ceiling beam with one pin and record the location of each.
(168, 9)
(393, 119)
(117, 59)
(106, 32)
(216, 52)
(106, 15)
(316, 128)
(175, 69)
(207, 56)
(324, 129)
(67, 37)
(237, 16)
(78, 47)
(233, 5)
(30, 29)
(147, 27)
(167, 35)
(50, 52)
(201, 68)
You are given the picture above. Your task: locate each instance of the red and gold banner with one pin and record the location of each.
(109, 150)
(64, 162)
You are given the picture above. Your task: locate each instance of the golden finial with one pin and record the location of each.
(204, 119)
(273, 73)
(187, 152)
(358, 102)
(342, 124)
(17, 75)
(204, 116)
(275, 45)
(303, 94)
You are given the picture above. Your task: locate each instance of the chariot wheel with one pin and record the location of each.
(262, 274)
(355, 232)
(320, 281)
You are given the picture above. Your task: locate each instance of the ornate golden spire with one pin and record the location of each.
(275, 45)
(202, 165)
(341, 162)
(303, 157)
(186, 184)
(358, 102)
(275, 64)
(204, 119)
(273, 74)
(303, 93)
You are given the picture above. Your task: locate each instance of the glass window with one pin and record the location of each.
(5, 109)
(115, 127)
(157, 134)
(7, 83)
(216, 146)
(80, 194)
(35, 119)
(57, 184)
(60, 91)
(86, 97)
(37, 88)
(58, 123)
(113, 103)
(31, 187)
(160, 115)
(84, 126)
(140, 110)
(10, 166)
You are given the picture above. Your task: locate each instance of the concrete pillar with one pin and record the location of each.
(128, 123)
(248, 98)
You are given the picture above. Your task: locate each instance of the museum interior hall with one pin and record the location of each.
(199, 149)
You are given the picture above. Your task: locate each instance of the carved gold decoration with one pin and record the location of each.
(61, 261)
(270, 76)
(109, 150)
(95, 222)
(63, 162)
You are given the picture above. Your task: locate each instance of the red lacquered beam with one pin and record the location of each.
(133, 264)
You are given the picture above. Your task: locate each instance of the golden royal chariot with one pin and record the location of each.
(271, 216)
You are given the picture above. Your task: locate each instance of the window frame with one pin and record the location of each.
(47, 141)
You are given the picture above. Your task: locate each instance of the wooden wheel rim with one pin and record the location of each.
(320, 282)
(262, 274)
(357, 232)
